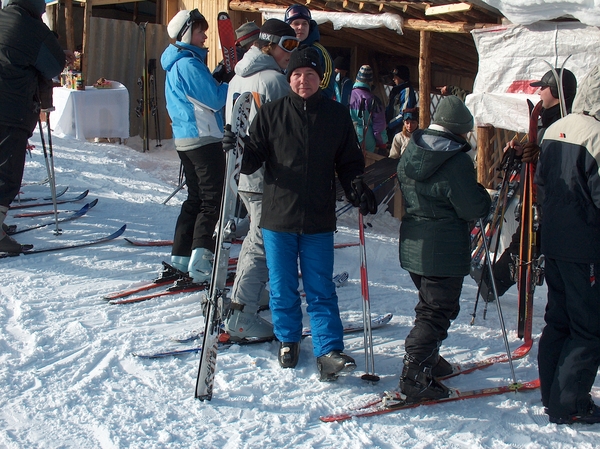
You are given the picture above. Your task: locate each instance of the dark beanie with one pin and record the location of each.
(275, 27)
(453, 115)
(305, 56)
(341, 63)
(402, 72)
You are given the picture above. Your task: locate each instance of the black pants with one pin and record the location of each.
(438, 305)
(204, 170)
(13, 147)
(569, 351)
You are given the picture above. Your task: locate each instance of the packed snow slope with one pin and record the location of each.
(68, 378)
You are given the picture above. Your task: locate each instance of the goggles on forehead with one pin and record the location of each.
(195, 16)
(287, 43)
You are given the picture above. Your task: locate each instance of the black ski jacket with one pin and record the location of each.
(568, 176)
(30, 56)
(303, 144)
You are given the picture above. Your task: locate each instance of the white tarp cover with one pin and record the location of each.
(341, 20)
(510, 57)
(524, 12)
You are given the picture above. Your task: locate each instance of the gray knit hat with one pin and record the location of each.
(453, 115)
(304, 56)
(246, 34)
(365, 74)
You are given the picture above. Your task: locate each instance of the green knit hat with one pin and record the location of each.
(453, 115)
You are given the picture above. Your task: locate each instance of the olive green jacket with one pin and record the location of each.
(441, 197)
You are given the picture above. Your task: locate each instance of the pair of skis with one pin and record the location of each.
(43, 202)
(391, 402)
(225, 235)
(77, 214)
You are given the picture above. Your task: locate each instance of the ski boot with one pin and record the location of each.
(241, 325)
(289, 353)
(591, 416)
(200, 265)
(442, 368)
(10, 246)
(179, 263)
(418, 384)
(334, 363)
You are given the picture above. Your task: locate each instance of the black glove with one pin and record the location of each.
(229, 139)
(221, 75)
(362, 196)
(531, 153)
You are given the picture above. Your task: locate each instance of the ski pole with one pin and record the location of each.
(49, 159)
(364, 283)
(179, 186)
(500, 317)
(509, 166)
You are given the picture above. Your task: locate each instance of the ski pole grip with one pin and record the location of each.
(357, 185)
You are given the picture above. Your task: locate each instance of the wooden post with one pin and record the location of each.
(484, 155)
(87, 14)
(70, 33)
(424, 79)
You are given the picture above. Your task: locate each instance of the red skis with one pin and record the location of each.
(393, 401)
(527, 265)
(227, 39)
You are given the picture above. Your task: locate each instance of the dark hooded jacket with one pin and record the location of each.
(30, 56)
(441, 197)
(328, 81)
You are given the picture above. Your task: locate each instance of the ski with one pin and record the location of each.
(224, 340)
(60, 200)
(138, 242)
(339, 280)
(70, 245)
(172, 275)
(394, 401)
(227, 40)
(41, 213)
(528, 262)
(182, 287)
(27, 199)
(214, 308)
(469, 367)
(80, 213)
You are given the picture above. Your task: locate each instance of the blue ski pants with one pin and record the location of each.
(315, 253)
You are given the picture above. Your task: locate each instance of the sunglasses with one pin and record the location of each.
(195, 16)
(287, 43)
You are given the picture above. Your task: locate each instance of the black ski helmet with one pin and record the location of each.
(569, 83)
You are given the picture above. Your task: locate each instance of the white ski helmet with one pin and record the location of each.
(180, 26)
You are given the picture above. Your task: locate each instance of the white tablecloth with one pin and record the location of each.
(86, 114)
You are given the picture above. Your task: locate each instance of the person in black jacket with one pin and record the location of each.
(568, 177)
(304, 139)
(548, 92)
(30, 56)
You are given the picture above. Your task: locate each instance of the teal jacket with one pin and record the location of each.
(441, 197)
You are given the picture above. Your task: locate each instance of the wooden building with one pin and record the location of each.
(434, 41)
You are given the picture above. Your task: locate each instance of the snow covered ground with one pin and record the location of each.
(68, 379)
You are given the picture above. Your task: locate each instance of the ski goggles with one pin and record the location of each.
(194, 16)
(287, 43)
